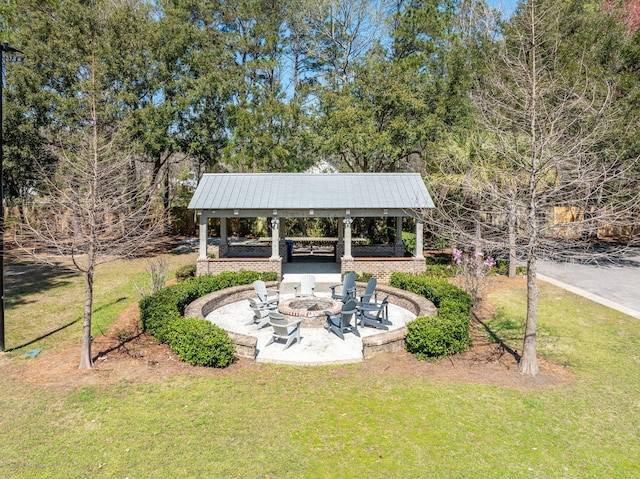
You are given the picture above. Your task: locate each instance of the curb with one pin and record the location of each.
(590, 296)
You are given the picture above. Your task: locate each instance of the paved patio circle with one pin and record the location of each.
(317, 345)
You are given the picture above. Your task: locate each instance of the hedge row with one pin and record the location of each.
(194, 340)
(430, 337)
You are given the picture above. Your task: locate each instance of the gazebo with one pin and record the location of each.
(343, 196)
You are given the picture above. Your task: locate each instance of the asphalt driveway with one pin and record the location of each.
(612, 280)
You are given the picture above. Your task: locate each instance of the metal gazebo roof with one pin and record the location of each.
(311, 194)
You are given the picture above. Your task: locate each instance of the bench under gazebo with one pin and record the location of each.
(343, 196)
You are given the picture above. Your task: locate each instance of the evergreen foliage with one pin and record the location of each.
(250, 86)
(240, 86)
(187, 271)
(201, 343)
(431, 337)
(196, 341)
(254, 86)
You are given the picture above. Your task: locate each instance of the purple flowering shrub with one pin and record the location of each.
(473, 269)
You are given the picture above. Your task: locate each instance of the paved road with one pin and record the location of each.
(614, 282)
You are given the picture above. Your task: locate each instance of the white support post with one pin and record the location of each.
(347, 237)
(204, 233)
(419, 241)
(275, 238)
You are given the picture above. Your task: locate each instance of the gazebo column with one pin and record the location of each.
(204, 233)
(347, 263)
(202, 263)
(419, 241)
(339, 251)
(223, 248)
(347, 238)
(399, 246)
(283, 252)
(275, 238)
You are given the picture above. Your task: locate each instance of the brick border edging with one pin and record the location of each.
(246, 345)
(393, 341)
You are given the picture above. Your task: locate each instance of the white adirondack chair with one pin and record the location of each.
(306, 287)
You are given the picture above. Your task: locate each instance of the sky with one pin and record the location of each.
(506, 6)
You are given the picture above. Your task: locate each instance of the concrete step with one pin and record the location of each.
(323, 281)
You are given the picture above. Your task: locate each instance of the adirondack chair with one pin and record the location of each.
(306, 287)
(348, 289)
(260, 313)
(370, 292)
(342, 322)
(263, 294)
(283, 331)
(375, 314)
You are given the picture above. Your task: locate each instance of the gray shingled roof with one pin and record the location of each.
(296, 194)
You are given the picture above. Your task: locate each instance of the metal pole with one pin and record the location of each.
(5, 48)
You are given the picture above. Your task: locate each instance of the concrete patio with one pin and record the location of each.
(317, 345)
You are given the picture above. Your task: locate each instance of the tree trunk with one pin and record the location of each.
(166, 203)
(85, 352)
(511, 221)
(529, 361)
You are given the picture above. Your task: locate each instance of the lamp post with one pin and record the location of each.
(5, 49)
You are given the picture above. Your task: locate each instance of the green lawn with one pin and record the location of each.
(287, 422)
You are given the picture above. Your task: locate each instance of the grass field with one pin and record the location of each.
(322, 422)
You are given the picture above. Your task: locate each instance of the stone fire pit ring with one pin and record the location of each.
(310, 308)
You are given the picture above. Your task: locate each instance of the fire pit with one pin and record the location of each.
(310, 309)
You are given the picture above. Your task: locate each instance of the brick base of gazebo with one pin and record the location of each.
(380, 268)
(216, 266)
(383, 268)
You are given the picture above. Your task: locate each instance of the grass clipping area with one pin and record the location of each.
(392, 416)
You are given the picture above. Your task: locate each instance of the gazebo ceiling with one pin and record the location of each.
(246, 195)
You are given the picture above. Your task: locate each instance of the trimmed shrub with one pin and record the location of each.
(187, 271)
(439, 258)
(439, 271)
(157, 310)
(435, 290)
(437, 336)
(200, 342)
(161, 316)
(207, 284)
(431, 337)
(361, 278)
(270, 276)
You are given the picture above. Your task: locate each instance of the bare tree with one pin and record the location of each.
(547, 146)
(344, 30)
(91, 212)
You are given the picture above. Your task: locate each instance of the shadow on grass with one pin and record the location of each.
(496, 337)
(64, 326)
(22, 280)
(44, 336)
